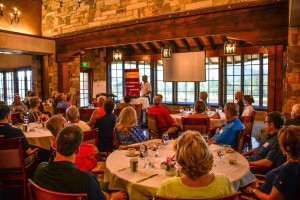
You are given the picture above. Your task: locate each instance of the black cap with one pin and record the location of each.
(4, 110)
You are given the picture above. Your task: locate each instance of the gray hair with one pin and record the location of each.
(72, 113)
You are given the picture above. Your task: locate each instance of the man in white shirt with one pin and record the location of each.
(146, 87)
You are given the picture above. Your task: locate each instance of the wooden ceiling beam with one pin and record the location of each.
(199, 44)
(161, 44)
(211, 42)
(247, 23)
(186, 44)
(173, 45)
(130, 48)
(141, 47)
(152, 47)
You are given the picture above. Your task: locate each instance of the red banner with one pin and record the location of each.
(132, 82)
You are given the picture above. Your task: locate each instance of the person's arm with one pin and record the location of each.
(263, 162)
(250, 152)
(93, 118)
(120, 195)
(274, 195)
(169, 119)
(29, 151)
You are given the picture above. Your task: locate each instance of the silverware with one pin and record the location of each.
(120, 170)
(143, 179)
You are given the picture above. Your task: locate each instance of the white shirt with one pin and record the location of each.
(146, 87)
(248, 111)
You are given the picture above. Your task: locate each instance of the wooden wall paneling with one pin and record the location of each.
(45, 77)
(63, 79)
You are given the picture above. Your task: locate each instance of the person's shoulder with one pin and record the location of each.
(221, 177)
(171, 181)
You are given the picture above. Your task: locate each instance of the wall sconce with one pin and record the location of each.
(117, 55)
(166, 52)
(229, 48)
(12, 18)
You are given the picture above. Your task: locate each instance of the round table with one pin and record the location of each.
(120, 177)
(214, 123)
(39, 137)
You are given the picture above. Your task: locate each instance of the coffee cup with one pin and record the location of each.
(134, 164)
(25, 127)
(228, 148)
(232, 157)
(131, 151)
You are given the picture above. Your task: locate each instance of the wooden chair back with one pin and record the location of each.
(233, 196)
(38, 193)
(115, 139)
(121, 105)
(117, 111)
(196, 124)
(138, 109)
(248, 123)
(12, 164)
(91, 137)
(85, 113)
(239, 141)
(16, 118)
(153, 126)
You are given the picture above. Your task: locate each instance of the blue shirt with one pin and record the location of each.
(133, 135)
(285, 178)
(227, 135)
(269, 149)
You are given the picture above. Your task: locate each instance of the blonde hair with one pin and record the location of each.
(34, 101)
(289, 141)
(203, 95)
(101, 100)
(127, 119)
(55, 124)
(193, 154)
(295, 111)
(72, 113)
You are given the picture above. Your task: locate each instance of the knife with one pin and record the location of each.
(143, 179)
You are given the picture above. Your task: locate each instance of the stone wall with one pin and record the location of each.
(291, 89)
(69, 17)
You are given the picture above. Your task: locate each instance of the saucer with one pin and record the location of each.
(229, 150)
(136, 154)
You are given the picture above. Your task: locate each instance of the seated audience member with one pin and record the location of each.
(228, 133)
(34, 112)
(69, 98)
(196, 161)
(163, 105)
(105, 125)
(127, 100)
(199, 110)
(281, 183)
(248, 111)
(239, 98)
(61, 101)
(295, 114)
(165, 121)
(95, 100)
(26, 99)
(41, 106)
(268, 154)
(203, 98)
(85, 159)
(127, 129)
(62, 175)
(99, 112)
(73, 116)
(18, 106)
(7, 131)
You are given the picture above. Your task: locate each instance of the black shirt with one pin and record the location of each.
(241, 106)
(7, 131)
(64, 176)
(105, 127)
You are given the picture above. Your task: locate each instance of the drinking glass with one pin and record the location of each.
(220, 109)
(181, 110)
(165, 138)
(221, 152)
(208, 110)
(143, 150)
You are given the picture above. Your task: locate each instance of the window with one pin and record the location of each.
(116, 79)
(130, 64)
(186, 92)
(232, 77)
(164, 88)
(84, 88)
(144, 69)
(211, 85)
(24, 81)
(7, 86)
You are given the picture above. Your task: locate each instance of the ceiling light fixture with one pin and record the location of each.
(230, 48)
(166, 52)
(117, 55)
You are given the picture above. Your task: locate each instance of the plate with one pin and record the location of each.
(229, 150)
(136, 154)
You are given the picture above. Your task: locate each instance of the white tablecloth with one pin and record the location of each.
(239, 174)
(41, 137)
(143, 100)
(214, 123)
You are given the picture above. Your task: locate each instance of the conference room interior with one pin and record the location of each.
(72, 48)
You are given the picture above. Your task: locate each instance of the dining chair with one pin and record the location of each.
(13, 170)
(138, 109)
(248, 123)
(233, 196)
(153, 128)
(91, 137)
(38, 193)
(239, 141)
(85, 113)
(196, 124)
(117, 111)
(16, 118)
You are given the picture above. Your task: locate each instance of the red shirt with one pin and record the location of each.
(164, 118)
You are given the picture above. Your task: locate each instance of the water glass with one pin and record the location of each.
(165, 138)
(143, 150)
(221, 152)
